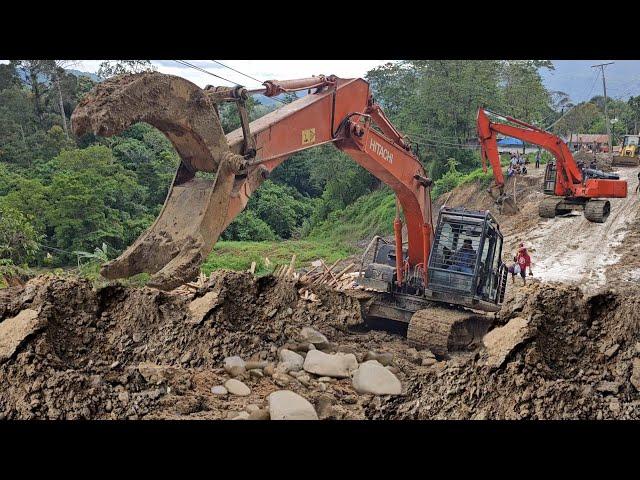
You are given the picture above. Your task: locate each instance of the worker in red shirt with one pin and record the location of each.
(524, 261)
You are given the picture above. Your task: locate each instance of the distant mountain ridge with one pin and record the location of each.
(42, 78)
(79, 73)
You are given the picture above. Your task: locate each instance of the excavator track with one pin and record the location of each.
(547, 208)
(597, 211)
(443, 330)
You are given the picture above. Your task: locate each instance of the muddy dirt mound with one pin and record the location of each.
(603, 160)
(68, 350)
(474, 195)
(559, 355)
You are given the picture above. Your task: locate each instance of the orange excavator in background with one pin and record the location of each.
(440, 285)
(568, 186)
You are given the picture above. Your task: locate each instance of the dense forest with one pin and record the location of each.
(61, 196)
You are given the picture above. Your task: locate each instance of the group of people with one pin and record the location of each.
(521, 261)
(518, 164)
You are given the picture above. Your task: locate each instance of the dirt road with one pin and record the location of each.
(572, 250)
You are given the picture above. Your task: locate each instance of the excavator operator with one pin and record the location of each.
(465, 258)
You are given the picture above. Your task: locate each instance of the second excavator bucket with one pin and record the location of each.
(195, 210)
(507, 205)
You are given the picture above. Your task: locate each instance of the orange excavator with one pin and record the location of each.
(441, 284)
(569, 187)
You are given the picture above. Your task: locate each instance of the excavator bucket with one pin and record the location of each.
(507, 205)
(195, 210)
(625, 161)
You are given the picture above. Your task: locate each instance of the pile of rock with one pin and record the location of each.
(311, 363)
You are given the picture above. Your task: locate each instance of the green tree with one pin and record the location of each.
(111, 68)
(523, 94)
(249, 227)
(93, 199)
(18, 238)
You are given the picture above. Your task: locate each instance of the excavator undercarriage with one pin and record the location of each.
(465, 273)
(436, 285)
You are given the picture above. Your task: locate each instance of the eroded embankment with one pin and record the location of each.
(561, 355)
(70, 351)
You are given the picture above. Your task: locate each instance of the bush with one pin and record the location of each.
(248, 227)
(282, 208)
(370, 215)
(454, 178)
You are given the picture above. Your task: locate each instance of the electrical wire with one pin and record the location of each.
(581, 103)
(195, 67)
(238, 71)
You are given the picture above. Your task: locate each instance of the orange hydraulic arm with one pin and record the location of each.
(199, 207)
(342, 112)
(569, 179)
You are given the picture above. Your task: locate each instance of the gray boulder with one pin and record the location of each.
(339, 365)
(371, 377)
(234, 366)
(287, 405)
(236, 387)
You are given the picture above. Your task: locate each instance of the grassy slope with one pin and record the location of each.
(239, 255)
(334, 238)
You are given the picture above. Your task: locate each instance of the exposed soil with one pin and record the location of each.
(568, 248)
(578, 358)
(140, 353)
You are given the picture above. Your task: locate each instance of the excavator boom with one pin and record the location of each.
(198, 209)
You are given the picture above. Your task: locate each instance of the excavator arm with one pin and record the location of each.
(199, 207)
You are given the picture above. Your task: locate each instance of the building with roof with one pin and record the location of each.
(588, 141)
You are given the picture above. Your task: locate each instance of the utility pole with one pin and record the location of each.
(606, 116)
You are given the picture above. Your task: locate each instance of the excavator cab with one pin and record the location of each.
(465, 273)
(465, 265)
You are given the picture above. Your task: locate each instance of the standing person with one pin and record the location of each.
(524, 261)
(538, 159)
(638, 186)
(514, 269)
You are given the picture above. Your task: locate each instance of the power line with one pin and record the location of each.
(595, 80)
(238, 71)
(633, 83)
(604, 87)
(182, 62)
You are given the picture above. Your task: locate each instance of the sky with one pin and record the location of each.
(581, 82)
(574, 77)
(260, 69)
